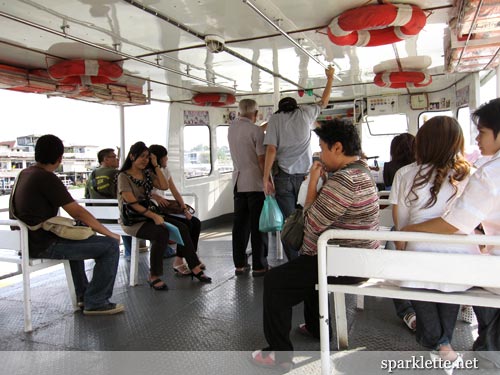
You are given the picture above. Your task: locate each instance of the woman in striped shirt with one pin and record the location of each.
(348, 200)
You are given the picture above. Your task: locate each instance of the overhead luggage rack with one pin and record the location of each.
(473, 40)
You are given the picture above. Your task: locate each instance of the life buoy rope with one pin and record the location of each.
(398, 80)
(75, 71)
(375, 25)
(213, 100)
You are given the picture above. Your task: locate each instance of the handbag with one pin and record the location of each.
(292, 235)
(271, 218)
(129, 216)
(173, 208)
(64, 227)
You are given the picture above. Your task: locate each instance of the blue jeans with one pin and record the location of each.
(287, 191)
(106, 253)
(127, 245)
(435, 323)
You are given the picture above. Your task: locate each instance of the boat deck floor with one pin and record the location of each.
(193, 328)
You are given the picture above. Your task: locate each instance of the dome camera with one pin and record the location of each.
(214, 43)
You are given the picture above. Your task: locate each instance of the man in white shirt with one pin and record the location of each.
(479, 204)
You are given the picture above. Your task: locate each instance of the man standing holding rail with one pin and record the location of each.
(288, 137)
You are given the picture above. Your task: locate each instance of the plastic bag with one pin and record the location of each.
(271, 218)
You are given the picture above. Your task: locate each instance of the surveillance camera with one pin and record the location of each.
(215, 43)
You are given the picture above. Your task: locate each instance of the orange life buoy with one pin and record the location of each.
(213, 100)
(98, 71)
(398, 80)
(375, 25)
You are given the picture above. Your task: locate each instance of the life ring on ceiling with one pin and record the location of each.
(213, 100)
(98, 71)
(412, 63)
(375, 25)
(399, 80)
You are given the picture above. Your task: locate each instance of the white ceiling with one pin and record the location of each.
(177, 61)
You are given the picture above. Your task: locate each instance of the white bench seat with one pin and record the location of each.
(378, 265)
(107, 209)
(15, 242)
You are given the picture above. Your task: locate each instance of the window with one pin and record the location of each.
(197, 156)
(377, 134)
(224, 162)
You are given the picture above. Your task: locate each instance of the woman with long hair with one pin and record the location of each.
(189, 226)
(135, 184)
(426, 189)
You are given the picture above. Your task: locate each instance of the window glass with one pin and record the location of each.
(386, 124)
(469, 129)
(197, 157)
(224, 162)
(377, 133)
(488, 90)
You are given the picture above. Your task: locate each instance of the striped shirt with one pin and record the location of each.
(348, 200)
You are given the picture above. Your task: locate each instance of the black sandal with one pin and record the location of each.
(154, 284)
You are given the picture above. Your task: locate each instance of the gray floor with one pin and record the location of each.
(192, 328)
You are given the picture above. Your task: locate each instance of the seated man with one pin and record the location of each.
(102, 185)
(38, 195)
(348, 200)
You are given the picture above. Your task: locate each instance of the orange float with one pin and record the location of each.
(85, 72)
(375, 25)
(398, 80)
(213, 99)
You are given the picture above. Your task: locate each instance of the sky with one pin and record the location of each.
(80, 123)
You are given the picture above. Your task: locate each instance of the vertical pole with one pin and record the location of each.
(123, 153)
(498, 81)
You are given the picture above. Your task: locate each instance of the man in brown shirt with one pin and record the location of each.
(38, 195)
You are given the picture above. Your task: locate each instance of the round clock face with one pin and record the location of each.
(418, 101)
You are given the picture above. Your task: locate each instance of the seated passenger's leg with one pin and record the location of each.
(105, 251)
(284, 287)
(431, 333)
(158, 236)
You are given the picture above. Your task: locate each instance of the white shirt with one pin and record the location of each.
(414, 211)
(480, 202)
(167, 175)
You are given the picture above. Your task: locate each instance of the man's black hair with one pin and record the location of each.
(103, 153)
(337, 130)
(48, 149)
(287, 104)
(488, 116)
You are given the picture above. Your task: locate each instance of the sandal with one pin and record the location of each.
(182, 270)
(263, 358)
(410, 320)
(154, 284)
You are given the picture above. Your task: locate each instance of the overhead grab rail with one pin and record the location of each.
(202, 37)
(284, 33)
(112, 50)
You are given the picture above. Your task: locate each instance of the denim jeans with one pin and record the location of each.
(435, 323)
(287, 191)
(127, 245)
(106, 253)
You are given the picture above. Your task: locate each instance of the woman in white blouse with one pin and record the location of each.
(424, 190)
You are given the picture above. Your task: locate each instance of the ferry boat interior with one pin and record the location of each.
(191, 61)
